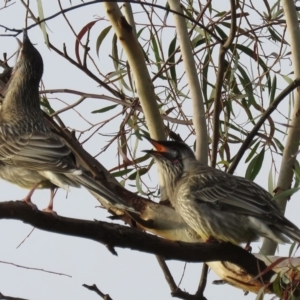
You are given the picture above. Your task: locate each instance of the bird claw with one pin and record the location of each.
(49, 210)
(28, 202)
(248, 248)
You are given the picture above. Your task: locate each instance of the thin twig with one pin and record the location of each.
(28, 235)
(203, 280)
(86, 71)
(263, 118)
(175, 290)
(34, 269)
(219, 82)
(169, 278)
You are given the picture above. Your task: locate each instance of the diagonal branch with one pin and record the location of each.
(263, 118)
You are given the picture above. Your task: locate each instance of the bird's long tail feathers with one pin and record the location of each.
(109, 196)
(292, 232)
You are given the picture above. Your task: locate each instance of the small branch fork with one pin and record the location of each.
(175, 290)
(95, 289)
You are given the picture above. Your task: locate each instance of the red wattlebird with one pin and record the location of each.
(216, 204)
(31, 155)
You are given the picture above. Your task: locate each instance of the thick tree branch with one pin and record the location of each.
(291, 148)
(193, 83)
(113, 235)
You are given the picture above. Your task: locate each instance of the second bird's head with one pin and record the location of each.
(173, 157)
(29, 63)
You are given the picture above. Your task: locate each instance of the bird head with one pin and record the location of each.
(21, 95)
(29, 64)
(174, 157)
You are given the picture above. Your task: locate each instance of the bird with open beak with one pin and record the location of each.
(218, 205)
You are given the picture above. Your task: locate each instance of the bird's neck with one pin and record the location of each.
(171, 181)
(20, 98)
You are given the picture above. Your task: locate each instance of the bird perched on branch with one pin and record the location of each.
(31, 155)
(218, 205)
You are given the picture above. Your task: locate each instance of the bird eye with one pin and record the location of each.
(176, 153)
(176, 156)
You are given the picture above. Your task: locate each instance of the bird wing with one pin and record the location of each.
(37, 151)
(233, 194)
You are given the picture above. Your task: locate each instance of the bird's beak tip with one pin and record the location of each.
(157, 144)
(20, 44)
(25, 35)
(147, 151)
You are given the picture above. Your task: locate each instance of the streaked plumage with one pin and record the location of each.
(216, 204)
(30, 153)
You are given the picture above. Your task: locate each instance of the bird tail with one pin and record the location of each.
(292, 232)
(104, 192)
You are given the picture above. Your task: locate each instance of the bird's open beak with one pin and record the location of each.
(160, 148)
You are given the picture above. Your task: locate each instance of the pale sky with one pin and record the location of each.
(131, 275)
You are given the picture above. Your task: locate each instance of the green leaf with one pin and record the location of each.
(198, 41)
(287, 79)
(255, 165)
(43, 24)
(45, 103)
(138, 183)
(172, 60)
(252, 152)
(260, 294)
(114, 52)
(252, 55)
(104, 109)
(247, 84)
(278, 14)
(270, 182)
(221, 33)
(287, 193)
(274, 35)
(278, 144)
(291, 250)
(273, 89)
(297, 173)
(276, 285)
(101, 37)
(121, 173)
(156, 52)
(141, 172)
